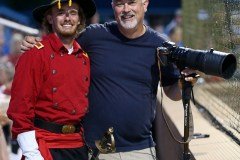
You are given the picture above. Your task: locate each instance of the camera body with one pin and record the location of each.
(210, 62)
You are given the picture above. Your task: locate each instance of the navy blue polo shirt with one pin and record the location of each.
(124, 82)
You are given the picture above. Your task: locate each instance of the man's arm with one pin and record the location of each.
(26, 84)
(174, 91)
(29, 42)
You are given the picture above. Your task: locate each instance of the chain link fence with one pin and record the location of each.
(216, 24)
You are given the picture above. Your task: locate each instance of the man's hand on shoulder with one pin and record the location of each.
(29, 42)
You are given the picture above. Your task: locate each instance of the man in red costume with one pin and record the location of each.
(51, 84)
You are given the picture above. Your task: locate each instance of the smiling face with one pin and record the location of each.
(64, 21)
(129, 13)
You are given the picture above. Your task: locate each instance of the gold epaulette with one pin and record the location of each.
(85, 54)
(39, 45)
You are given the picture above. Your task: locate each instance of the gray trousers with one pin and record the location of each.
(144, 154)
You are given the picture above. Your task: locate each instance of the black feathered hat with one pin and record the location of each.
(88, 7)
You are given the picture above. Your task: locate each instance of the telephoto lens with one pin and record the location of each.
(210, 62)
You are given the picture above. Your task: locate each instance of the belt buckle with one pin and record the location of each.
(66, 129)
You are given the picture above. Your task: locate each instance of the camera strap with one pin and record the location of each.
(188, 118)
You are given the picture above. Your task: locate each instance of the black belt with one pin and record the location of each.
(57, 128)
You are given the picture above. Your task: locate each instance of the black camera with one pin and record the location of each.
(210, 62)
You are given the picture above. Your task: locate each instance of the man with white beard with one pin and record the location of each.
(124, 80)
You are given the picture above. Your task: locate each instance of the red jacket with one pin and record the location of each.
(52, 85)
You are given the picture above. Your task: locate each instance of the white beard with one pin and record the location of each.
(129, 24)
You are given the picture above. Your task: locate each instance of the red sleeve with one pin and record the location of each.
(25, 88)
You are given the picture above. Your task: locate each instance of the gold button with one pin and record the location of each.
(52, 56)
(54, 71)
(54, 89)
(86, 78)
(55, 105)
(84, 62)
(86, 94)
(73, 111)
(86, 109)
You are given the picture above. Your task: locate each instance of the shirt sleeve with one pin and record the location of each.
(169, 72)
(88, 35)
(83, 39)
(169, 75)
(25, 88)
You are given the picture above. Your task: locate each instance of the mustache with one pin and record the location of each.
(127, 14)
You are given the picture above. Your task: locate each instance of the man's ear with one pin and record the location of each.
(49, 19)
(112, 5)
(113, 9)
(145, 3)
